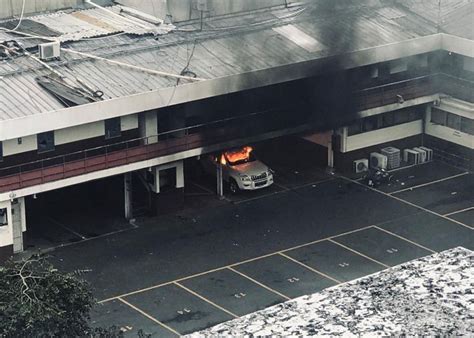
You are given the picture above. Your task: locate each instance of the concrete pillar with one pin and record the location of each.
(148, 125)
(179, 172)
(331, 152)
(127, 184)
(220, 181)
(18, 223)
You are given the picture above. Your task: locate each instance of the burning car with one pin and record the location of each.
(240, 169)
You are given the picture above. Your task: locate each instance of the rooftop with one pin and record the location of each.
(226, 46)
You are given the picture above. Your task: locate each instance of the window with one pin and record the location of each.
(401, 116)
(454, 121)
(374, 72)
(467, 125)
(1, 151)
(112, 128)
(398, 66)
(45, 141)
(3, 217)
(469, 64)
(419, 61)
(438, 116)
(354, 129)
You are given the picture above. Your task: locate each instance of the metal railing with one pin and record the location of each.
(206, 134)
(139, 149)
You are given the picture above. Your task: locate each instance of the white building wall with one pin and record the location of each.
(448, 134)
(6, 232)
(67, 135)
(11, 147)
(79, 133)
(383, 135)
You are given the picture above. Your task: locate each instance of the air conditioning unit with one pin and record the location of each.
(393, 157)
(49, 51)
(429, 153)
(411, 156)
(423, 155)
(359, 166)
(378, 160)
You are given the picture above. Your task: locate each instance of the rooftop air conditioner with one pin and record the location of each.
(429, 153)
(378, 160)
(360, 166)
(49, 51)
(411, 156)
(423, 155)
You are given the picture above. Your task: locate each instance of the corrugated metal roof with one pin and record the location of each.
(73, 25)
(215, 53)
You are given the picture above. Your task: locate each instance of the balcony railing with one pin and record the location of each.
(197, 136)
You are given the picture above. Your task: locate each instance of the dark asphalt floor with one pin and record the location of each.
(176, 274)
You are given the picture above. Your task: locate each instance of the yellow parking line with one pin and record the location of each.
(406, 202)
(149, 316)
(310, 268)
(429, 183)
(405, 239)
(458, 211)
(358, 253)
(257, 282)
(205, 299)
(230, 265)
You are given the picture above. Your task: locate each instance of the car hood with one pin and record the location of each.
(250, 168)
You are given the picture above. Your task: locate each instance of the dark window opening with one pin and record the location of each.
(113, 128)
(1, 151)
(384, 121)
(3, 217)
(45, 141)
(453, 121)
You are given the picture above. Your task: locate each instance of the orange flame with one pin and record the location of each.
(237, 155)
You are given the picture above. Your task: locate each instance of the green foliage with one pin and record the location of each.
(37, 300)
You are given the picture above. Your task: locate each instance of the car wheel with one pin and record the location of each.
(233, 187)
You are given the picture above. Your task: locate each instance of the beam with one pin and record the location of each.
(121, 106)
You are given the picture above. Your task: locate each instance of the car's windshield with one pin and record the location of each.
(239, 156)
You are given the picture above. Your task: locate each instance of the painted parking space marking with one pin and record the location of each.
(233, 265)
(443, 197)
(337, 281)
(148, 316)
(383, 247)
(285, 276)
(431, 232)
(428, 183)
(404, 238)
(127, 319)
(406, 202)
(234, 291)
(178, 309)
(357, 252)
(458, 211)
(257, 282)
(464, 216)
(52, 220)
(335, 260)
(204, 299)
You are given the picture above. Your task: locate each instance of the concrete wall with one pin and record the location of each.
(182, 10)
(67, 135)
(448, 134)
(383, 135)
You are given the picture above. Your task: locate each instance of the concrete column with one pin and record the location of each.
(18, 223)
(220, 181)
(179, 174)
(148, 124)
(330, 152)
(127, 184)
